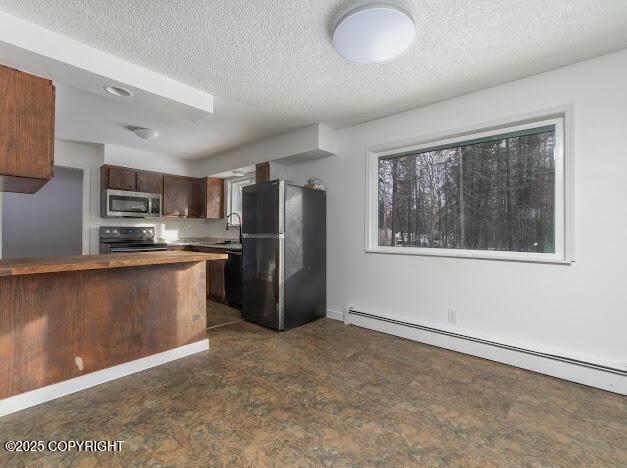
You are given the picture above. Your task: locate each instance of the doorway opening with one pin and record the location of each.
(47, 223)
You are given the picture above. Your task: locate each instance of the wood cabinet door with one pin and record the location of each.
(149, 182)
(120, 178)
(26, 125)
(215, 280)
(214, 198)
(199, 199)
(262, 172)
(177, 196)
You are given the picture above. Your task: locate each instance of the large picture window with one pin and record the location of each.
(496, 193)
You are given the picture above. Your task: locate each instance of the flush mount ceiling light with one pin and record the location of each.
(118, 91)
(145, 133)
(237, 173)
(374, 33)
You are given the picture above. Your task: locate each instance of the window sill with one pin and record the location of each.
(487, 255)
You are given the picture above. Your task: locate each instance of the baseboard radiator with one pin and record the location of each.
(554, 357)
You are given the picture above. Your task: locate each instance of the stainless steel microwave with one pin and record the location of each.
(123, 204)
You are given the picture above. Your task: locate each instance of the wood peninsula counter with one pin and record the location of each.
(66, 317)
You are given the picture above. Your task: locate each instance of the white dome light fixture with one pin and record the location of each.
(145, 133)
(374, 33)
(118, 91)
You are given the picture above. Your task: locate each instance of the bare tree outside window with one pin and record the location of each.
(491, 194)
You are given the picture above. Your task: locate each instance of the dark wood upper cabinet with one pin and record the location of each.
(125, 178)
(118, 178)
(149, 182)
(214, 197)
(177, 196)
(182, 197)
(26, 131)
(215, 280)
(193, 198)
(199, 203)
(262, 172)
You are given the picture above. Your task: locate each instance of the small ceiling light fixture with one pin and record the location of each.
(237, 173)
(145, 133)
(118, 91)
(374, 33)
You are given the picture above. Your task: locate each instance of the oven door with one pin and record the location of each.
(123, 204)
(123, 247)
(136, 249)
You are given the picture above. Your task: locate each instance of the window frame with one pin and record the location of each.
(230, 184)
(560, 196)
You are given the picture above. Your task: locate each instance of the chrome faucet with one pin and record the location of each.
(232, 225)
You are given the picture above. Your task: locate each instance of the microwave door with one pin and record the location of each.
(128, 204)
(155, 207)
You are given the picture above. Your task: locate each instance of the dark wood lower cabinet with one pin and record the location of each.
(216, 290)
(215, 280)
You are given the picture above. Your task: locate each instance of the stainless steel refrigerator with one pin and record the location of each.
(284, 254)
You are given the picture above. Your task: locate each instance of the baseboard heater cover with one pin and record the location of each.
(554, 357)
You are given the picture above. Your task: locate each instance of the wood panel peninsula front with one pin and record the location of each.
(66, 317)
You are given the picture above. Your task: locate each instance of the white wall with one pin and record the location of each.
(577, 310)
(148, 161)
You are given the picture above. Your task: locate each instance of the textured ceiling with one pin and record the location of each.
(278, 55)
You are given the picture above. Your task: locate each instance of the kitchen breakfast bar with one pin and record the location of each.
(67, 323)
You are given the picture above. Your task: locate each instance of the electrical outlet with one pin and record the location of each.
(452, 315)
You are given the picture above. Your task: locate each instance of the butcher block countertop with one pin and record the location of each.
(30, 266)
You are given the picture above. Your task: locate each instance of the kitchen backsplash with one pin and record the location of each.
(195, 228)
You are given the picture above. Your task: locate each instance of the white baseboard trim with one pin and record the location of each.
(50, 392)
(335, 315)
(563, 370)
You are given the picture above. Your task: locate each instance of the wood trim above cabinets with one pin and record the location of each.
(262, 172)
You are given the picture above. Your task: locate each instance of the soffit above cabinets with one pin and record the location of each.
(314, 141)
(45, 53)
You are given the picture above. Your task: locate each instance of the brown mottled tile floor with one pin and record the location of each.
(220, 314)
(329, 394)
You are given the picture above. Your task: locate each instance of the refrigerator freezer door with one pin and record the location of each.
(262, 298)
(305, 255)
(262, 208)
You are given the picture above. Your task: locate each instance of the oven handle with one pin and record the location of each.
(143, 249)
